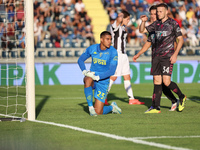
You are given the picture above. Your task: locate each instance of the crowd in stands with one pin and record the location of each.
(64, 22)
(185, 12)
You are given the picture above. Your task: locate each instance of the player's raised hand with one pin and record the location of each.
(144, 18)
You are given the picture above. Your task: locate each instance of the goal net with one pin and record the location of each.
(17, 80)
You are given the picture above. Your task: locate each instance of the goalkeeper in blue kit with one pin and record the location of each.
(103, 65)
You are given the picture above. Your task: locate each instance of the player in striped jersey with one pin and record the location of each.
(119, 39)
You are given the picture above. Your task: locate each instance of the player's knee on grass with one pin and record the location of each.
(98, 106)
(88, 81)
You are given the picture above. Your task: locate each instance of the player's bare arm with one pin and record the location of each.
(144, 49)
(142, 28)
(179, 45)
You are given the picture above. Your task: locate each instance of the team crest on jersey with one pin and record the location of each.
(115, 58)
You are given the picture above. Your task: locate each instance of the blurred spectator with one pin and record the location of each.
(129, 6)
(22, 41)
(2, 29)
(191, 34)
(64, 34)
(141, 12)
(89, 35)
(82, 14)
(109, 25)
(37, 34)
(194, 22)
(178, 19)
(36, 6)
(76, 20)
(132, 35)
(53, 32)
(11, 31)
(5, 42)
(11, 13)
(189, 13)
(111, 6)
(68, 21)
(197, 13)
(57, 12)
(44, 8)
(173, 11)
(19, 25)
(182, 12)
(2, 7)
(20, 12)
(79, 5)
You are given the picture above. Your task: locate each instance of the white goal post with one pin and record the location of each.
(30, 67)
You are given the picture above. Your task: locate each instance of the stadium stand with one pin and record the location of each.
(79, 21)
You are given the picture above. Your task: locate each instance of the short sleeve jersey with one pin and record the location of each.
(101, 59)
(162, 36)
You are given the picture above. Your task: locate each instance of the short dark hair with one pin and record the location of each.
(163, 5)
(126, 14)
(153, 7)
(105, 33)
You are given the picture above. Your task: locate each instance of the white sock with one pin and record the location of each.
(91, 107)
(110, 84)
(128, 88)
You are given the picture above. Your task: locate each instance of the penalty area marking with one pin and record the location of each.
(113, 136)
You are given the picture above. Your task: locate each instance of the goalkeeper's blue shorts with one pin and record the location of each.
(101, 89)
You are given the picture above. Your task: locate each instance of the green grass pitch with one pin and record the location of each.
(66, 105)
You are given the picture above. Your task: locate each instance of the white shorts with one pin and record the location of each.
(123, 67)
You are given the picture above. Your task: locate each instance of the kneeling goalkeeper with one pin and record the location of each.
(103, 65)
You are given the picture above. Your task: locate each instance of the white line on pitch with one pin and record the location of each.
(134, 140)
(167, 137)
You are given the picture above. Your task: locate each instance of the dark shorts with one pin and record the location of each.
(161, 66)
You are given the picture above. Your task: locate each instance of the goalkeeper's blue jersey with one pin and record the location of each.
(104, 62)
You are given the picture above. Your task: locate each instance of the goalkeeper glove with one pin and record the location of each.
(91, 74)
(84, 72)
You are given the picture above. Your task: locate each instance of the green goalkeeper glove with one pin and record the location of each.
(92, 75)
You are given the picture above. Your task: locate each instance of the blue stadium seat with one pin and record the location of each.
(67, 45)
(69, 53)
(130, 53)
(41, 54)
(5, 54)
(147, 53)
(49, 45)
(77, 53)
(50, 54)
(75, 44)
(197, 52)
(136, 51)
(14, 54)
(182, 53)
(22, 54)
(83, 44)
(59, 53)
(189, 52)
(40, 45)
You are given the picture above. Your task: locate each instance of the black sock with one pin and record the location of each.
(174, 87)
(168, 93)
(157, 96)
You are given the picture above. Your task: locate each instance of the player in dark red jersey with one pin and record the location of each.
(151, 41)
(164, 55)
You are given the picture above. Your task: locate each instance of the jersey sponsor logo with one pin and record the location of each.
(99, 61)
(95, 53)
(161, 33)
(115, 58)
(100, 54)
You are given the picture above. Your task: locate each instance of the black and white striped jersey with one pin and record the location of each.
(119, 37)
